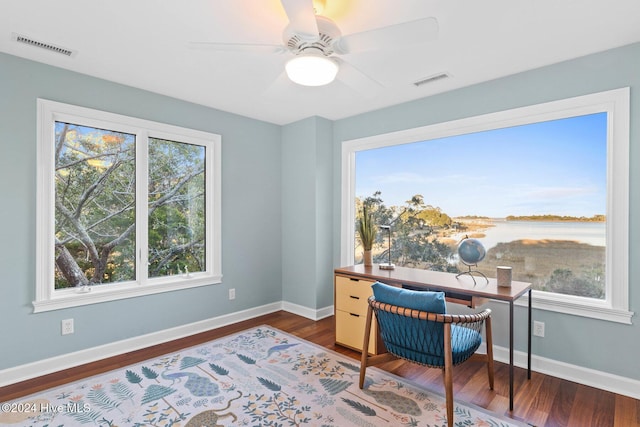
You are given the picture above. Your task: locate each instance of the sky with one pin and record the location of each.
(556, 167)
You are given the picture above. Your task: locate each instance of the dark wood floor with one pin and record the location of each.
(541, 401)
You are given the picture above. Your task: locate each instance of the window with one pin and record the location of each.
(126, 207)
(545, 188)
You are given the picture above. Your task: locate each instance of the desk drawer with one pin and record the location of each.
(350, 331)
(352, 295)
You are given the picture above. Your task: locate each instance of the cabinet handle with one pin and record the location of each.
(354, 297)
(354, 280)
(354, 315)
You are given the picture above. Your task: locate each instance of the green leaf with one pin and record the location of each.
(156, 392)
(246, 359)
(334, 386)
(132, 377)
(189, 361)
(350, 366)
(149, 373)
(269, 384)
(366, 228)
(360, 407)
(218, 369)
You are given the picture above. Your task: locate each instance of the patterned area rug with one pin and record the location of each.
(259, 377)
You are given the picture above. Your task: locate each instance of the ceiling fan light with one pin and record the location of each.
(311, 70)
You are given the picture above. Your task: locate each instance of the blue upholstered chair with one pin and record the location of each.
(414, 326)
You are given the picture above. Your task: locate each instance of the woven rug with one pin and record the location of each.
(259, 377)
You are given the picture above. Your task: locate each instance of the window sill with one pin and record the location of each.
(576, 306)
(104, 293)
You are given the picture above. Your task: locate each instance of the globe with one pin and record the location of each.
(471, 251)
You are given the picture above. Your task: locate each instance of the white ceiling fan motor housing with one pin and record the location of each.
(328, 33)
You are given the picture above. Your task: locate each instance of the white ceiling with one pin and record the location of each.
(146, 44)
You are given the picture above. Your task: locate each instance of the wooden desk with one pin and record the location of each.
(459, 290)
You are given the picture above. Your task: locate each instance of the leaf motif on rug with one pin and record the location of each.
(333, 386)
(246, 359)
(99, 397)
(269, 384)
(218, 369)
(149, 373)
(367, 410)
(156, 392)
(354, 419)
(269, 408)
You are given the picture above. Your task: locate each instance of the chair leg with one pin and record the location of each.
(489, 337)
(365, 346)
(448, 373)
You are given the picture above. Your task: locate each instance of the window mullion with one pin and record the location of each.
(142, 206)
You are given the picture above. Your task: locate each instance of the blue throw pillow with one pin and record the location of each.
(430, 301)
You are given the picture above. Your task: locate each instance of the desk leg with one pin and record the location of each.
(529, 343)
(511, 355)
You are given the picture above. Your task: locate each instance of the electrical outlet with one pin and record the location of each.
(66, 326)
(232, 293)
(538, 329)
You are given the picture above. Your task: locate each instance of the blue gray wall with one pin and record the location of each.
(292, 174)
(307, 223)
(600, 345)
(251, 216)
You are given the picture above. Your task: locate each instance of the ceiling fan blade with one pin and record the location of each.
(412, 32)
(357, 80)
(302, 18)
(280, 88)
(239, 47)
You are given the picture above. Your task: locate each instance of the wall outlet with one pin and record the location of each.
(538, 328)
(232, 293)
(66, 326)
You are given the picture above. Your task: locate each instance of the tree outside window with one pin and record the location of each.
(126, 207)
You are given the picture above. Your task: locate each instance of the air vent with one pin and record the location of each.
(42, 45)
(431, 79)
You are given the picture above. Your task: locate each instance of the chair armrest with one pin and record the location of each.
(433, 317)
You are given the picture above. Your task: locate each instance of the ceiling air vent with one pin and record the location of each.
(42, 45)
(431, 79)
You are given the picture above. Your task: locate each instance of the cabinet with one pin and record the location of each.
(351, 294)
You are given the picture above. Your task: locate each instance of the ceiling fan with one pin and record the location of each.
(316, 44)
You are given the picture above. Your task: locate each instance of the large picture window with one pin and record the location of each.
(544, 189)
(126, 207)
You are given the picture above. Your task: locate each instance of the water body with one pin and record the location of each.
(592, 233)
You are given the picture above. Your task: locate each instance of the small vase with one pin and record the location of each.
(368, 258)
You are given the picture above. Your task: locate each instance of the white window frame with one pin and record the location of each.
(616, 104)
(48, 298)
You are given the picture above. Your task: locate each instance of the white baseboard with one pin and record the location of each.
(70, 360)
(578, 374)
(306, 311)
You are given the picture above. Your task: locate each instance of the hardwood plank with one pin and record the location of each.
(589, 406)
(627, 412)
(562, 404)
(543, 401)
